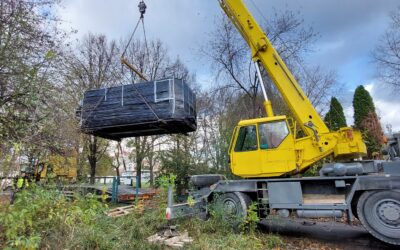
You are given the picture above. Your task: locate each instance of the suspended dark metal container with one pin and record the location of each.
(151, 108)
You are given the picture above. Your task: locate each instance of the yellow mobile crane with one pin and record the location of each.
(268, 147)
(280, 152)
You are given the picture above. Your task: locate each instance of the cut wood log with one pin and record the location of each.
(170, 238)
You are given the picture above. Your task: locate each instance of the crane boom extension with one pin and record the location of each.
(267, 147)
(263, 51)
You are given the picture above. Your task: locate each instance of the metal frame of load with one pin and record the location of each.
(152, 108)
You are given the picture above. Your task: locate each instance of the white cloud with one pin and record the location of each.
(389, 113)
(369, 87)
(348, 113)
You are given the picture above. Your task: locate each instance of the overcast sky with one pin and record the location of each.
(349, 30)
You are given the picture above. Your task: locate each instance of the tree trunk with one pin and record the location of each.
(139, 171)
(92, 158)
(139, 161)
(92, 163)
(78, 161)
(254, 106)
(151, 168)
(118, 175)
(117, 166)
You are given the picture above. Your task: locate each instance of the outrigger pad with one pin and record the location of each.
(151, 108)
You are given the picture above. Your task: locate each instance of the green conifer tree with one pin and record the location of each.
(366, 119)
(363, 105)
(335, 118)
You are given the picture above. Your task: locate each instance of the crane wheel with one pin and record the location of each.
(379, 212)
(233, 207)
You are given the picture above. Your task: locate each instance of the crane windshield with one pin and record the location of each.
(272, 134)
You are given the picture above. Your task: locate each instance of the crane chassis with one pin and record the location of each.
(266, 150)
(372, 197)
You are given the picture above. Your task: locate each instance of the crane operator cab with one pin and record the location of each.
(262, 147)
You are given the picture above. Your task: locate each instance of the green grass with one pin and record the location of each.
(212, 234)
(44, 219)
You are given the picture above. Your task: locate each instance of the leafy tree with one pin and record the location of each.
(30, 43)
(372, 133)
(362, 104)
(386, 54)
(230, 59)
(103, 166)
(180, 162)
(93, 64)
(153, 60)
(366, 119)
(335, 118)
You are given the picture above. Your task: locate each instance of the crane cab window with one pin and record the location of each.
(272, 134)
(247, 139)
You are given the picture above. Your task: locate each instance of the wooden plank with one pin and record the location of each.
(120, 211)
(324, 199)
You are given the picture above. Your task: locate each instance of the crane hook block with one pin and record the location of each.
(142, 8)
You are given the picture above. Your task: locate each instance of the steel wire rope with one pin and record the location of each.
(131, 37)
(141, 19)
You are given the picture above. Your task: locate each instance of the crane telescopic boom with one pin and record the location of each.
(262, 51)
(269, 146)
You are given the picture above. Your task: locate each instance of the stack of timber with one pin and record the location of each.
(151, 108)
(171, 238)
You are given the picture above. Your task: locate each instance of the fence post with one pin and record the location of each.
(114, 195)
(170, 196)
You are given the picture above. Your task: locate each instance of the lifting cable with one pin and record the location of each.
(142, 9)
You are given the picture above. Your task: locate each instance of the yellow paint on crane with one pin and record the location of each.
(267, 147)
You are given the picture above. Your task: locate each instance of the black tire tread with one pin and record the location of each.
(243, 198)
(360, 206)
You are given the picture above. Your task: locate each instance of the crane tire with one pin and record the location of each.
(234, 206)
(379, 212)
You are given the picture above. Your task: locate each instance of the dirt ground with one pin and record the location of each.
(323, 235)
(4, 199)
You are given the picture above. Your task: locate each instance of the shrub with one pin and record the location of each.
(38, 213)
(251, 221)
(44, 219)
